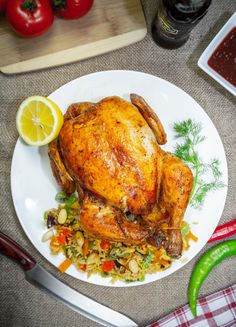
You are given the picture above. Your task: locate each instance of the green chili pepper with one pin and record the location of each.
(208, 261)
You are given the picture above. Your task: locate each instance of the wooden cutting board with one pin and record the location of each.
(111, 24)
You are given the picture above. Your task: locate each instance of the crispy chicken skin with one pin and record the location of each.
(113, 153)
(98, 218)
(109, 152)
(59, 171)
(150, 117)
(176, 186)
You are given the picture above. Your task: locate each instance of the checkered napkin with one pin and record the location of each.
(216, 310)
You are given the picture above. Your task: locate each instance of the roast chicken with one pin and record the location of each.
(128, 187)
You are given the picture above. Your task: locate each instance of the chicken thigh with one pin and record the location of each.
(128, 186)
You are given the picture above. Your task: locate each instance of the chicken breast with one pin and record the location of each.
(113, 153)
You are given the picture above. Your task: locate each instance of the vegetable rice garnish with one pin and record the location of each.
(109, 259)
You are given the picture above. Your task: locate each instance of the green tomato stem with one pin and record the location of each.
(29, 5)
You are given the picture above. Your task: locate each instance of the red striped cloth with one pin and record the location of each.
(216, 310)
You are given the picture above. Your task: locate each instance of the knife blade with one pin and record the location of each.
(78, 302)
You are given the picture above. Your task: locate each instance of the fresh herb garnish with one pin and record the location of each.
(61, 197)
(190, 134)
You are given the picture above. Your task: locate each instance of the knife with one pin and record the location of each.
(78, 302)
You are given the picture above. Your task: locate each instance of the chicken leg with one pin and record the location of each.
(176, 186)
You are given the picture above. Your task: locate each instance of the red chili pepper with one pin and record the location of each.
(223, 231)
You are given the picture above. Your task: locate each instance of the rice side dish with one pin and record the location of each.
(95, 256)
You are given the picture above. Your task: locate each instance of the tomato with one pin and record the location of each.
(108, 265)
(3, 5)
(29, 18)
(72, 9)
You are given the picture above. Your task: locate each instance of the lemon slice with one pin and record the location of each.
(38, 120)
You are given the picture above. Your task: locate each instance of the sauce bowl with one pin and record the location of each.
(203, 61)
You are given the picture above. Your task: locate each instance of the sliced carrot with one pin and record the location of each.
(162, 262)
(65, 265)
(191, 236)
(157, 254)
(105, 245)
(85, 247)
(82, 267)
(54, 245)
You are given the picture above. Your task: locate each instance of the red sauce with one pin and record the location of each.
(223, 59)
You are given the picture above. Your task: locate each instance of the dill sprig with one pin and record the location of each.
(189, 132)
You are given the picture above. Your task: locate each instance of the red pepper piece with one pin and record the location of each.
(108, 265)
(82, 267)
(61, 239)
(66, 232)
(224, 231)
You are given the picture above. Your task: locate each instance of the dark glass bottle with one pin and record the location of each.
(175, 19)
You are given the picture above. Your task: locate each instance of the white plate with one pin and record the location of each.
(34, 188)
(203, 60)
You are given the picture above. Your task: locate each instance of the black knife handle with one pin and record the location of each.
(11, 249)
